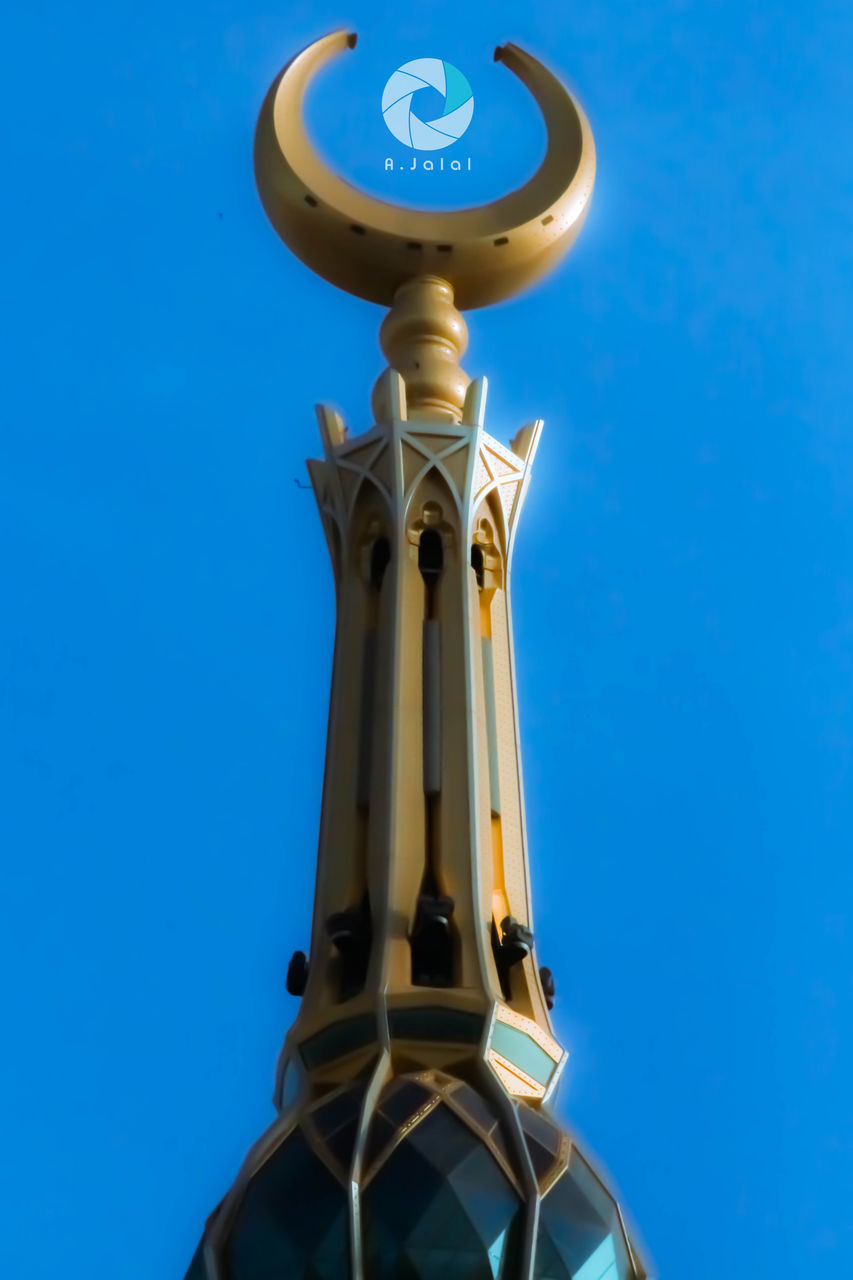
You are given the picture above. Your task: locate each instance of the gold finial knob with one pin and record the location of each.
(423, 336)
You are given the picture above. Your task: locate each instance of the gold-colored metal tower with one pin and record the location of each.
(413, 1138)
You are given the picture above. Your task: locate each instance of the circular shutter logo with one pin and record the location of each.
(399, 100)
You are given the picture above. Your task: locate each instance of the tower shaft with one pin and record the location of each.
(422, 916)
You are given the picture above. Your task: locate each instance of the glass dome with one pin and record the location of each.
(440, 1195)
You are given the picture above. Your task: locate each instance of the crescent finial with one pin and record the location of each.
(370, 247)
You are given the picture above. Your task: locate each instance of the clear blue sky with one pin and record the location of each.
(683, 595)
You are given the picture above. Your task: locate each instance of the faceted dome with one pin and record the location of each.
(292, 1221)
(440, 1195)
(581, 1236)
(439, 1204)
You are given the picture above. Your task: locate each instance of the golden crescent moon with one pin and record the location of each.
(369, 247)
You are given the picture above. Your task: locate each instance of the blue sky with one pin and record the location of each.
(683, 599)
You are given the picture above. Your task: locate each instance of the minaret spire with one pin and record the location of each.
(422, 916)
(413, 1139)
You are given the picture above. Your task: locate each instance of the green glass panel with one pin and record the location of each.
(543, 1140)
(339, 1039)
(402, 1099)
(496, 1255)
(602, 1264)
(339, 1110)
(439, 1208)
(539, 1126)
(444, 1140)
(580, 1231)
(380, 1134)
(292, 1222)
(512, 1043)
(447, 1025)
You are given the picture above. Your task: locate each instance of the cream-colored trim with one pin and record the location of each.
(516, 1081)
(545, 1041)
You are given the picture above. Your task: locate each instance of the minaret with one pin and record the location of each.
(413, 1138)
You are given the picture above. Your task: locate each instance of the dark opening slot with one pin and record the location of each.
(430, 563)
(432, 706)
(430, 555)
(351, 930)
(434, 937)
(478, 564)
(351, 933)
(434, 941)
(380, 558)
